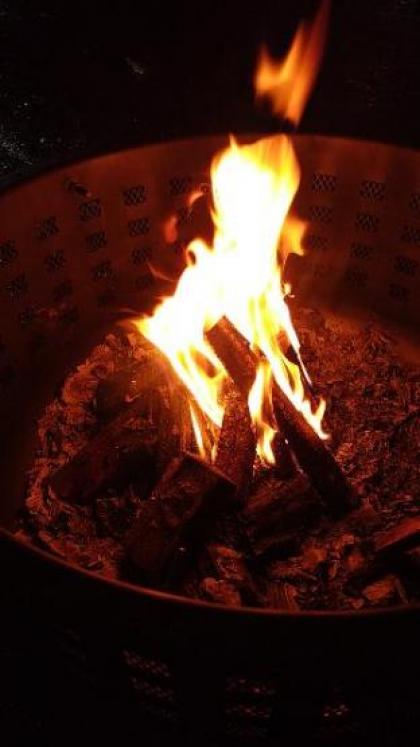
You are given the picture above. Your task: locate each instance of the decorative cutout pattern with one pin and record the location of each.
(361, 251)
(90, 209)
(140, 255)
(17, 287)
(134, 195)
(372, 190)
(405, 265)
(102, 270)
(324, 182)
(46, 228)
(138, 227)
(320, 213)
(180, 185)
(55, 261)
(96, 241)
(411, 234)
(315, 242)
(8, 253)
(367, 222)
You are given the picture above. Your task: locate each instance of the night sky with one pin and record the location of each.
(79, 77)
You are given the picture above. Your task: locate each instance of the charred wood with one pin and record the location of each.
(181, 510)
(278, 512)
(116, 454)
(310, 451)
(236, 445)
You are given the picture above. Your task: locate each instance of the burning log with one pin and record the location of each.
(121, 448)
(236, 446)
(315, 459)
(182, 508)
(276, 513)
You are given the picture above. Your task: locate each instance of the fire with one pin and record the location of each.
(241, 274)
(289, 82)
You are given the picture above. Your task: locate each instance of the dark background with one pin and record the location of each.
(81, 77)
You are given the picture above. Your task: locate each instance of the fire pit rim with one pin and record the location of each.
(155, 595)
(41, 169)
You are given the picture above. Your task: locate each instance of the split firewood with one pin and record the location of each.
(118, 452)
(312, 454)
(236, 446)
(181, 510)
(402, 536)
(277, 513)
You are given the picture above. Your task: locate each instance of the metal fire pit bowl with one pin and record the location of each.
(75, 246)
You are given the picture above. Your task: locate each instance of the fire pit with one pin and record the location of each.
(234, 433)
(75, 247)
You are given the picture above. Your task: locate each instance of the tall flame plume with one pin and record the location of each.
(240, 275)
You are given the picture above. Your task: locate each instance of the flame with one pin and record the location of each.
(288, 82)
(260, 394)
(197, 432)
(240, 274)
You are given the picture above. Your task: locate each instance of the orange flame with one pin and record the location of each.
(260, 394)
(288, 82)
(197, 433)
(240, 275)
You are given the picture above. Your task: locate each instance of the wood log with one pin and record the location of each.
(228, 565)
(402, 536)
(122, 387)
(311, 452)
(278, 512)
(122, 448)
(126, 383)
(235, 453)
(181, 510)
(284, 467)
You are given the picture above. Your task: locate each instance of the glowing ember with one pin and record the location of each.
(240, 275)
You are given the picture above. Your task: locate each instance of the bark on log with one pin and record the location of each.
(277, 512)
(182, 508)
(310, 451)
(122, 448)
(236, 446)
